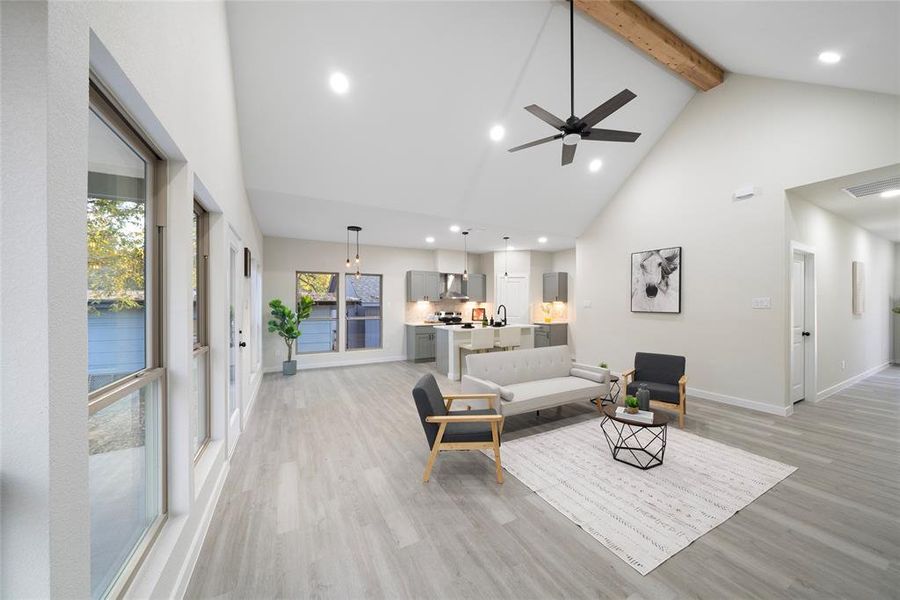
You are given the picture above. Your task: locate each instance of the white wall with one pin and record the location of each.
(169, 65)
(748, 131)
(861, 342)
(284, 257)
(896, 302)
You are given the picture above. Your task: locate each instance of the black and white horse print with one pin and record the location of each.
(656, 281)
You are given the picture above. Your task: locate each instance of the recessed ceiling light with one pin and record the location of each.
(829, 57)
(890, 193)
(512, 248)
(542, 240)
(429, 240)
(339, 83)
(454, 228)
(595, 165)
(497, 132)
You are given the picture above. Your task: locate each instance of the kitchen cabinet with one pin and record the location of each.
(476, 287)
(551, 334)
(420, 343)
(423, 285)
(556, 287)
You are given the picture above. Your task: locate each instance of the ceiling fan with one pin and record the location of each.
(573, 129)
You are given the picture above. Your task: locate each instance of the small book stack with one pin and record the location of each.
(641, 416)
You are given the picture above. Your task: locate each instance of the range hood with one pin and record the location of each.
(452, 287)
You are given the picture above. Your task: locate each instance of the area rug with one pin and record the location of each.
(643, 517)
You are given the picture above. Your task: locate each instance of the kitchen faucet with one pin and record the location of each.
(503, 306)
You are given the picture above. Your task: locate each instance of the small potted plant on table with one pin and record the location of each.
(287, 325)
(631, 405)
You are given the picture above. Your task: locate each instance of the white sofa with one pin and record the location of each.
(534, 379)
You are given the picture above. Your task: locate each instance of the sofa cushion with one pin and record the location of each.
(597, 376)
(519, 366)
(535, 395)
(658, 391)
(469, 432)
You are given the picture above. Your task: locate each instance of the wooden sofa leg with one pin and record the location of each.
(434, 452)
(495, 437)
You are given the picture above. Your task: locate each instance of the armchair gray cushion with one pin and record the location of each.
(430, 403)
(658, 391)
(658, 368)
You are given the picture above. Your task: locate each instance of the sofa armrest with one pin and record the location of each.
(474, 385)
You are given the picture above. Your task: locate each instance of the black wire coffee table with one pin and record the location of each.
(641, 445)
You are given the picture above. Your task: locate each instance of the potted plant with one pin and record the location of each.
(287, 325)
(631, 405)
(604, 368)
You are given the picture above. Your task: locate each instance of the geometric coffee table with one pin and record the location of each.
(641, 445)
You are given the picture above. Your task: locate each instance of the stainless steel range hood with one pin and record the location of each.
(452, 287)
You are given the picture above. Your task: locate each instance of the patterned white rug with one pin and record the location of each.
(643, 517)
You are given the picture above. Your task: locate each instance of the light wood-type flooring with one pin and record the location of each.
(325, 500)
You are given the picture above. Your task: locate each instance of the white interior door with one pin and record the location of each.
(235, 313)
(512, 292)
(799, 336)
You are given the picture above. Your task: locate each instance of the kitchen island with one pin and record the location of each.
(449, 338)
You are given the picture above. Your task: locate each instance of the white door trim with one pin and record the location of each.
(810, 384)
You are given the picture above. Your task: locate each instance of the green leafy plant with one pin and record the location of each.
(896, 309)
(603, 365)
(631, 402)
(287, 324)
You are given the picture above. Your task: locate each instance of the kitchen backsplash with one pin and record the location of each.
(417, 311)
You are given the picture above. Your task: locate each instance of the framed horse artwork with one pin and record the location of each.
(656, 281)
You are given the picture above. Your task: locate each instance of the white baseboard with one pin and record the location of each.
(772, 409)
(834, 389)
(341, 362)
(184, 577)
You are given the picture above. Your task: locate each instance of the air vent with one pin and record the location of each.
(875, 187)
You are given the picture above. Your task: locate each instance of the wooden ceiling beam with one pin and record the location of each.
(633, 24)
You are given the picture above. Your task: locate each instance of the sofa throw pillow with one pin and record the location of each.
(591, 375)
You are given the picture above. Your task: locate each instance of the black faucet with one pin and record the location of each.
(503, 306)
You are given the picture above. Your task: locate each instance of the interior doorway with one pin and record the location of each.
(802, 337)
(512, 292)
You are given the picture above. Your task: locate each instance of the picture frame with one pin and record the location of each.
(477, 314)
(656, 280)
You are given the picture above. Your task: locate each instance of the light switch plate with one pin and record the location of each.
(587, 303)
(762, 303)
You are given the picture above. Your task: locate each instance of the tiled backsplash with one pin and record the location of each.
(417, 311)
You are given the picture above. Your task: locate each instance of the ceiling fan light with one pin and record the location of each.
(571, 139)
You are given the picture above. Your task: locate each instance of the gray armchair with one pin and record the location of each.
(663, 374)
(459, 430)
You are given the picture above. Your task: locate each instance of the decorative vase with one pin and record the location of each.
(289, 367)
(643, 396)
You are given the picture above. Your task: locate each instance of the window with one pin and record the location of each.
(126, 381)
(319, 333)
(200, 281)
(362, 296)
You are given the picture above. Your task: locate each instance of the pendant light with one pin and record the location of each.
(356, 229)
(506, 241)
(465, 255)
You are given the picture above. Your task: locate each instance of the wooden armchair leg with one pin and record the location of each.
(495, 437)
(434, 452)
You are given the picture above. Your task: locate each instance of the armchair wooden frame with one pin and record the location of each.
(495, 420)
(680, 408)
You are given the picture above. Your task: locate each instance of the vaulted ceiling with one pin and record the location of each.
(405, 153)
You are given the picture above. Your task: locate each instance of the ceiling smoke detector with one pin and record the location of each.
(874, 187)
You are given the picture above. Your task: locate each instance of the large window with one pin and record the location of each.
(362, 296)
(319, 333)
(126, 381)
(200, 281)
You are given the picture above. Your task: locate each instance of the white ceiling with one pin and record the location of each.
(406, 152)
(782, 39)
(879, 215)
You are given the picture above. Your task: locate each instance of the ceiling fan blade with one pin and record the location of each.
(610, 135)
(608, 107)
(568, 153)
(545, 116)
(536, 142)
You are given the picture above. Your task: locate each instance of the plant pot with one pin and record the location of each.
(632, 410)
(289, 367)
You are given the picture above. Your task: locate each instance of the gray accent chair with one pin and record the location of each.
(664, 375)
(456, 430)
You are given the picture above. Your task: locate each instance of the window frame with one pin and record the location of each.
(104, 108)
(201, 346)
(380, 316)
(336, 319)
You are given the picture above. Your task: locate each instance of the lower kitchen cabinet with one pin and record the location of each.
(551, 334)
(420, 343)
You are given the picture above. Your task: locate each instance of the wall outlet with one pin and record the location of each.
(843, 365)
(761, 303)
(587, 303)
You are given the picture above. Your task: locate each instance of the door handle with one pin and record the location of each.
(805, 334)
(243, 344)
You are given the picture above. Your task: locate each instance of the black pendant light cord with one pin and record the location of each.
(572, 54)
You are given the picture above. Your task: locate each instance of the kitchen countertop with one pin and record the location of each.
(458, 327)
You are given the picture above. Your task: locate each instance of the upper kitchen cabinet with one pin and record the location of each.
(423, 285)
(556, 287)
(476, 287)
